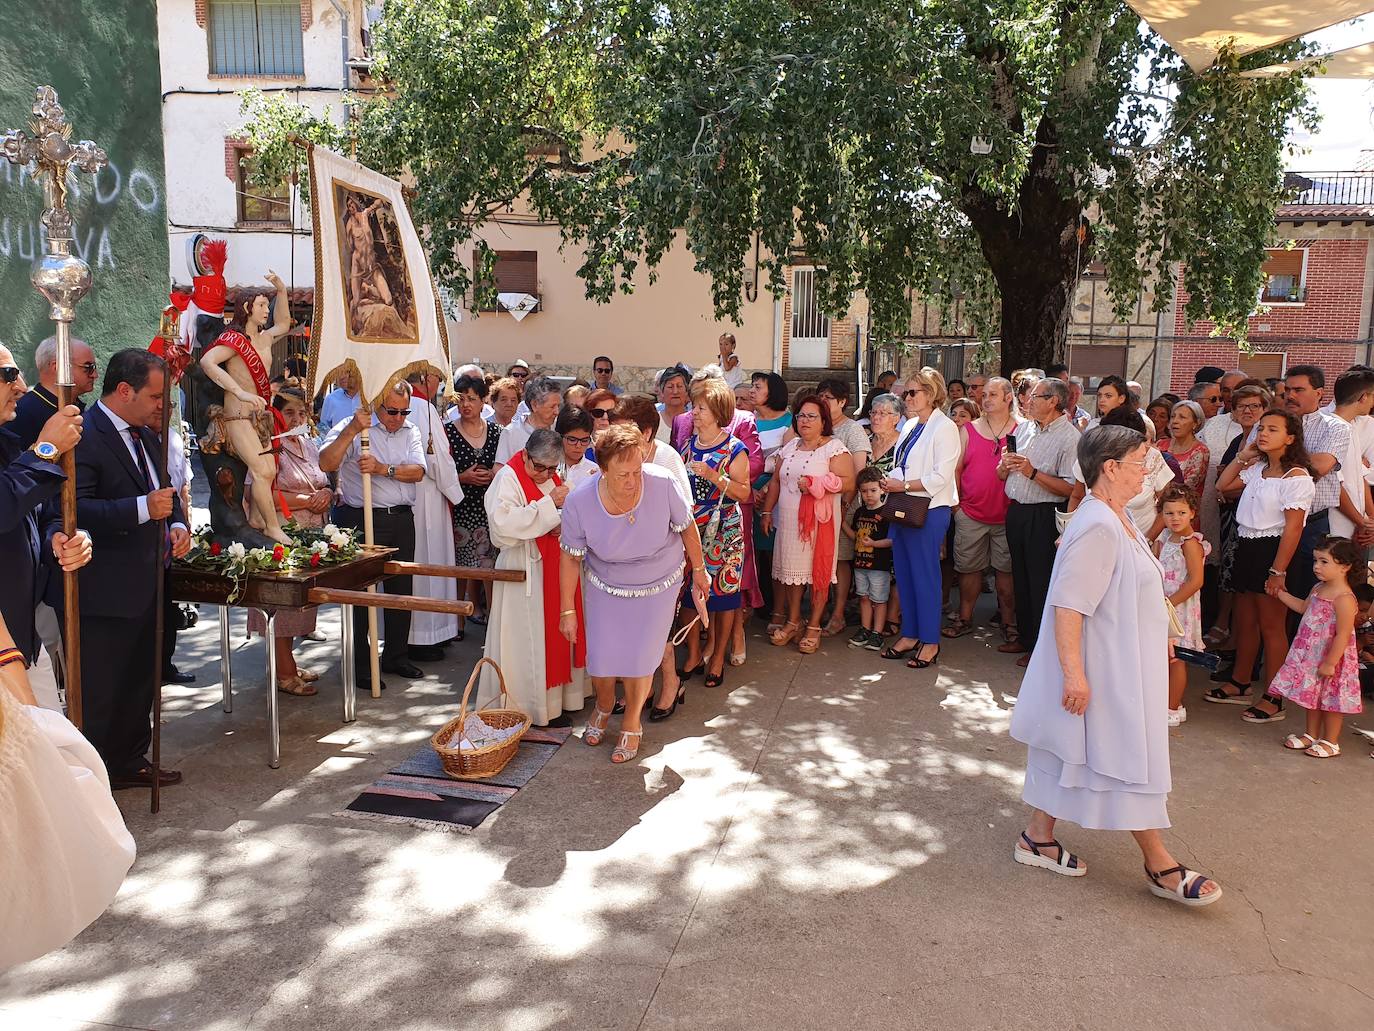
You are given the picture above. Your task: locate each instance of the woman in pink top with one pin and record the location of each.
(980, 533)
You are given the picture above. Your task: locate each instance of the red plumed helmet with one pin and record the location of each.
(208, 288)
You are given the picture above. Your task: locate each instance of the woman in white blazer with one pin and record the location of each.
(926, 457)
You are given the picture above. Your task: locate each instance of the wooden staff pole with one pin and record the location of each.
(71, 582)
(374, 662)
(159, 622)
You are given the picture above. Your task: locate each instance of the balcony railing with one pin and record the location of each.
(1325, 188)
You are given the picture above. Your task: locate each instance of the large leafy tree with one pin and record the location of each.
(840, 131)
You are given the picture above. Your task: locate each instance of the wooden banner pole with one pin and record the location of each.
(373, 659)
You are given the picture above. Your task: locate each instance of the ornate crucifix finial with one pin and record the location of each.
(59, 275)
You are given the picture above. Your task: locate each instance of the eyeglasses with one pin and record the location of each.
(1134, 461)
(519, 373)
(9, 373)
(603, 372)
(393, 412)
(88, 368)
(568, 438)
(539, 467)
(825, 397)
(806, 416)
(913, 393)
(1042, 397)
(1249, 406)
(602, 413)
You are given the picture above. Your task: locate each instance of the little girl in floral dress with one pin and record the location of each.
(1181, 550)
(1322, 671)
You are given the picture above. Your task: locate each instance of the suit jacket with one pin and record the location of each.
(33, 411)
(121, 578)
(28, 486)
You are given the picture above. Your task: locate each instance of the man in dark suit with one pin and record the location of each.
(119, 500)
(30, 481)
(39, 404)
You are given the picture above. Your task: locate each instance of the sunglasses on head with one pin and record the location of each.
(393, 412)
(602, 413)
(9, 373)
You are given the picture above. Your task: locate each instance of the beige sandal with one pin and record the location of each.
(308, 675)
(785, 634)
(297, 686)
(595, 731)
(623, 753)
(808, 644)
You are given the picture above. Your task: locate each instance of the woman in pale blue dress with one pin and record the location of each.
(1093, 705)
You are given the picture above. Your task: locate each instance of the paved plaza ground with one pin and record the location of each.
(822, 843)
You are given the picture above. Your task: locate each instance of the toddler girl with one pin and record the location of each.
(1322, 671)
(1181, 550)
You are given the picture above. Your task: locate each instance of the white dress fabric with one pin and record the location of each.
(666, 458)
(1260, 511)
(515, 630)
(434, 525)
(792, 555)
(64, 849)
(513, 438)
(1217, 434)
(1353, 473)
(1109, 768)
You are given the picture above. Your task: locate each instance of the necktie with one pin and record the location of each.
(140, 458)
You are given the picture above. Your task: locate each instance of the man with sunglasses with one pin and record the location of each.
(30, 482)
(40, 403)
(396, 462)
(603, 371)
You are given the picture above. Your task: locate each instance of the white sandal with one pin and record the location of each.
(1299, 742)
(1188, 891)
(1067, 863)
(596, 732)
(1324, 749)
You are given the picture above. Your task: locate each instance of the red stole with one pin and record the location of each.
(558, 662)
(243, 347)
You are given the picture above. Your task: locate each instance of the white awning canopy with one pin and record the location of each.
(1351, 63)
(1196, 29)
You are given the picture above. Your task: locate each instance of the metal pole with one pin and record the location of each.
(226, 669)
(63, 279)
(273, 726)
(159, 620)
(373, 660)
(347, 670)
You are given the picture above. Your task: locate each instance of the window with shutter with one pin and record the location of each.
(259, 203)
(1263, 364)
(1283, 277)
(255, 37)
(515, 272)
(1095, 362)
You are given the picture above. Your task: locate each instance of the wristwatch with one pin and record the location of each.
(46, 450)
(391, 471)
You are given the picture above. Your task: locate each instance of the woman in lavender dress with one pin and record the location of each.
(623, 538)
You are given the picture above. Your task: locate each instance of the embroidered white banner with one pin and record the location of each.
(376, 308)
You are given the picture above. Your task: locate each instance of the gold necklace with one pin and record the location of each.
(628, 513)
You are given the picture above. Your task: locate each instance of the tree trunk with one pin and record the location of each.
(1036, 255)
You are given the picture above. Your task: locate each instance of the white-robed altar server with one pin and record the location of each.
(433, 527)
(544, 674)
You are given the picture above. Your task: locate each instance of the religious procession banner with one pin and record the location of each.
(376, 307)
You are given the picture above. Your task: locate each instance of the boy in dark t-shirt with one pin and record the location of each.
(872, 560)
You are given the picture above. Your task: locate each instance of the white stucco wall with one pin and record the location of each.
(199, 111)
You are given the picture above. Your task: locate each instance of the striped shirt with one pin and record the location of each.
(1051, 449)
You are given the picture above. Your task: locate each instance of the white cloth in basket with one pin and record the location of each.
(478, 733)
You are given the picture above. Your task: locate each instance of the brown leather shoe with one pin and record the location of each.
(1011, 648)
(144, 779)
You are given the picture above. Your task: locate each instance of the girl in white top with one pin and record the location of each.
(1269, 522)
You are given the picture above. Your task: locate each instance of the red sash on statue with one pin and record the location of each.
(243, 347)
(558, 663)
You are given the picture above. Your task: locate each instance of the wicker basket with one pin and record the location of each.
(478, 763)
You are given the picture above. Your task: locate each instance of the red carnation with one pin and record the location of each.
(278, 553)
(216, 547)
(314, 560)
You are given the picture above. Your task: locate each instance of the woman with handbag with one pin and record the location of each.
(921, 493)
(718, 470)
(1093, 707)
(803, 499)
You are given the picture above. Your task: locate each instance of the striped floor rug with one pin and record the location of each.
(417, 792)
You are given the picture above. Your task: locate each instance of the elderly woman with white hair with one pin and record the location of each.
(524, 505)
(1093, 706)
(1186, 420)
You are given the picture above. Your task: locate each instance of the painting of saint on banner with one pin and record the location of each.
(378, 295)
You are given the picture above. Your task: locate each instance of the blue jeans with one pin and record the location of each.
(916, 561)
